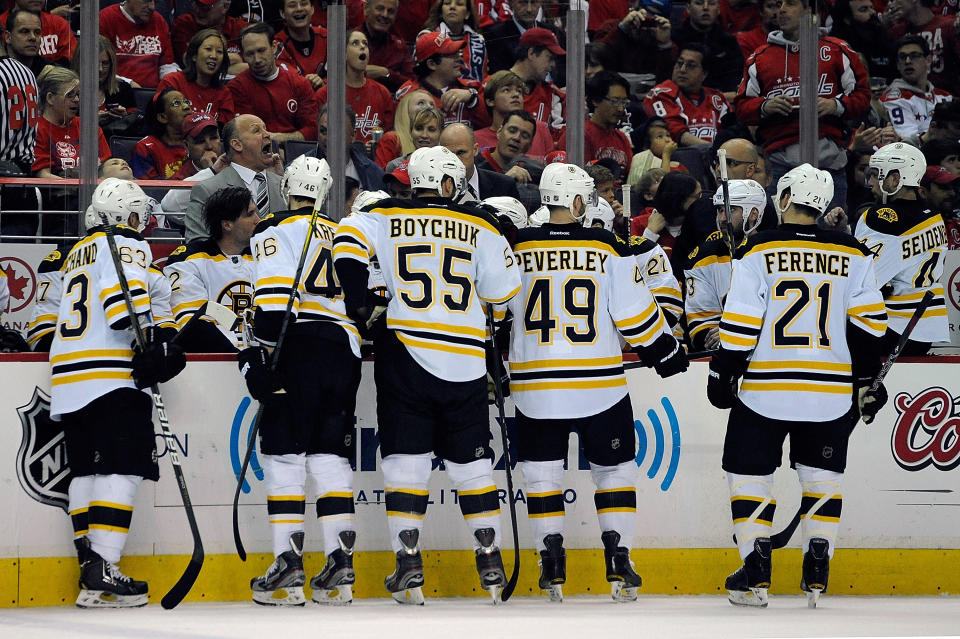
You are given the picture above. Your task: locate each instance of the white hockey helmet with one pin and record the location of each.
(560, 184)
(747, 194)
(306, 177)
(511, 208)
(366, 198)
(602, 213)
(902, 157)
(428, 166)
(539, 217)
(808, 186)
(117, 200)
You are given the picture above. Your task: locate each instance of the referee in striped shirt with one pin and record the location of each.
(19, 114)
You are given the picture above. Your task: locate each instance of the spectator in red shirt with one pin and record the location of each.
(675, 195)
(391, 63)
(536, 55)
(141, 38)
(940, 32)
(503, 93)
(57, 153)
(57, 42)
(202, 79)
(370, 100)
(603, 10)
(438, 72)
(209, 14)
(399, 141)
(458, 19)
(284, 99)
(739, 15)
(607, 99)
(756, 37)
(159, 155)
(303, 45)
(514, 138)
(691, 110)
(202, 139)
(410, 21)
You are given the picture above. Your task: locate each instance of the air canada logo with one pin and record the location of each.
(42, 465)
(927, 431)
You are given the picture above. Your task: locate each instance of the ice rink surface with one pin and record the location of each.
(654, 617)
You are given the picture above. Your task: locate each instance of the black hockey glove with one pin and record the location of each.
(721, 385)
(12, 341)
(869, 403)
(496, 368)
(254, 364)
(673, 364)
(158, 362)
(659, 354)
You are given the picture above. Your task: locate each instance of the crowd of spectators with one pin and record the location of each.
(667, 85)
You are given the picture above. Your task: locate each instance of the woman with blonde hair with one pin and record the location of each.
(202, 80)
(424, 131)
(458, 19)
(116, 97)
(398, 142)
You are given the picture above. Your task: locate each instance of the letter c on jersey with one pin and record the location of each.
(659, 437)
(238, 446)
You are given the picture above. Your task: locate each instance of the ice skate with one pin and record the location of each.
(490, 563)
(82, 544)
(816, 570)
(553, 567)
(334, 584)
(102, 585)
(624, 581)
(282, 585)
(405, 584)
(748, 585)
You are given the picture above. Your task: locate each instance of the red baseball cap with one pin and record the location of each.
(540, 37)
(436, 43)
(195, 123)
(938, 174)
(400, 174)
(556, 156)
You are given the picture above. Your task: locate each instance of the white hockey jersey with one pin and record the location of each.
(440, 261)
(910, 108)
(658, 276)
(43, 319)
(908, 240)
(276, 246)
(581, 289)
(707, 279)
(201, 272)
(792, 292)
(91, 352)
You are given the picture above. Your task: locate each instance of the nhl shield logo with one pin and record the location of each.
(42, 466)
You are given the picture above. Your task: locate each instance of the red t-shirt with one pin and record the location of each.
(58, 147)
(388, 148)
(542, 141)
(372, 103)
(141, 51)
(411, 18)
(57, 41)
(546, 103)
(599, 143)
(217, 101)
(185, 27)
(286, 103)
(187, 169)
(304, 61)
(154, 159)
(639, 224)
(603, 10)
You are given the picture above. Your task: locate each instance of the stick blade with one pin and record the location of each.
(241, 551)
(222, 315)
(185, 583)
(507, 591)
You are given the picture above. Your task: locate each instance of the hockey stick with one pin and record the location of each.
(220, 314)
(180, 589)
(275, 357)
(690, 357)
(498, 394)
(781, 538)
(725, 184)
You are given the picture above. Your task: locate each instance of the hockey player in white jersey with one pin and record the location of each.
(308, 429)
(217, 268)
(801, 324)
(907, 239)
(707, 273)
(442, 262)
(581, 289)
(95, 377)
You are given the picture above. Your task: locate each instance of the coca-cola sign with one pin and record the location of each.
(927, 430)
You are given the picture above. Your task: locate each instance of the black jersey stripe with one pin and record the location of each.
(73, 367)
(814, 377)
(441, 337)
(568, 373)
(749, 331)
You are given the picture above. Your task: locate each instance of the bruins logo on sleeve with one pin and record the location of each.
(887, 214)
(179, 250)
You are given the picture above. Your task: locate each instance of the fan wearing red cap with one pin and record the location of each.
(202, 139)
(458, 19)
(536, 55)
(208, 14)
(438, 73)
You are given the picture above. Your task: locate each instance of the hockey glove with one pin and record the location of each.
(254, 364)
(158, 362)
(673, 364)
(12, 341)
(870, 403)
(721, 386)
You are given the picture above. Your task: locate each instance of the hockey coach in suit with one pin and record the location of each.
(248, 147)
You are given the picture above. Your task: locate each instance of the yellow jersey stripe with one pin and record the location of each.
(922, 226)
(286, 497)
(500, 300)
(569, 385)
(479, 491)
(436, 346)
(840, 389)
(742, 319)
(802, 244)
(59, 380)
(104, 353)
(111, 504)
(566, 363)
(409, 491)
(547, 244)
(479, 333)
(442, 214)
(341, 494)
(802, 364)
(736, 340)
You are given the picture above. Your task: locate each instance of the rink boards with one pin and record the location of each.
(901, 512)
